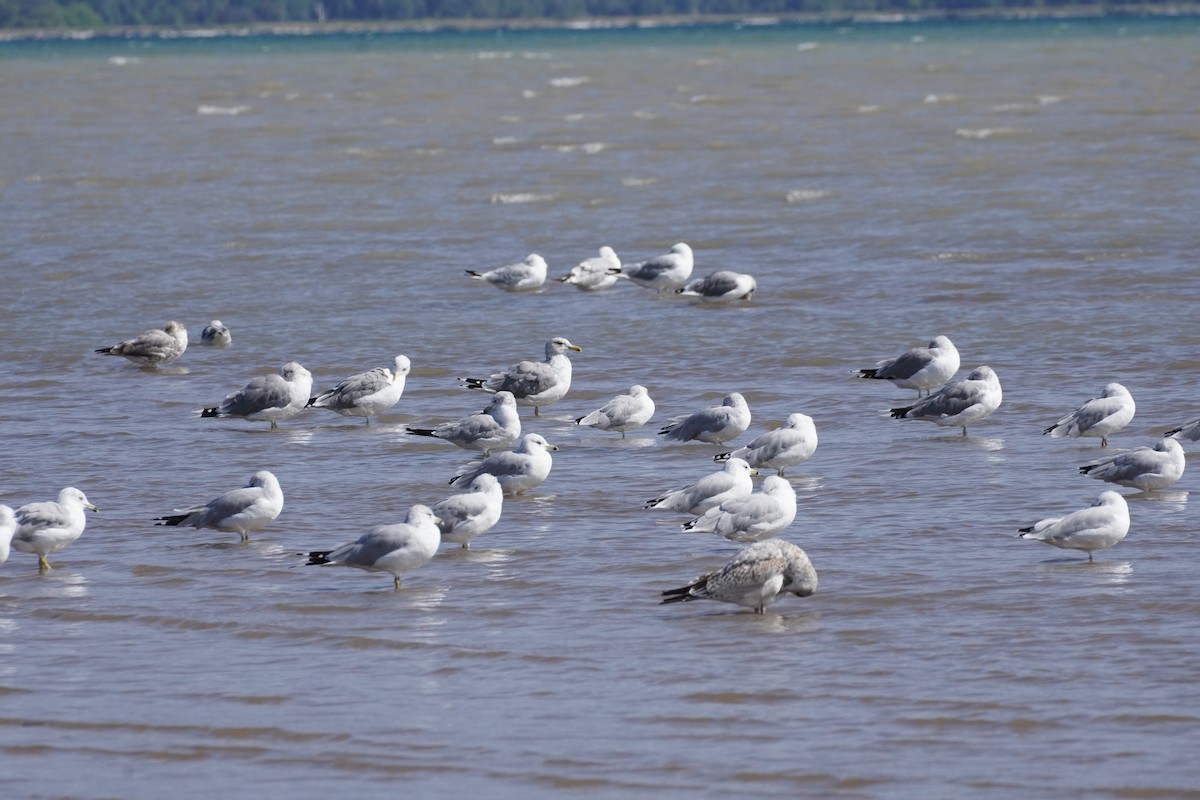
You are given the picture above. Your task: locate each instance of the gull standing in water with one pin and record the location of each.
(661, 273)
(527, 276)
(494, 428)
(367, 394)
(396, 549)
(721, 287)
(710, 491)
(153, 348)
(1145, 468)
(922, 368)
(533, 383)
(517, 470)
(623, 413)
(756, 577)
(594, 274)
(1100, 416)
(216, 334)
(45, 528)
(464, 517)
(780, 448)
(958, 403)
(752, 518)
(715, 425)
(268, 397)
(1100, 525)
(240, 511)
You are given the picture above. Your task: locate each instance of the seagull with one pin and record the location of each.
(668, 271)
(1190, 431)
(752, 518)
(494, 428)
(517, 470)
(528, 276)
(710, 491)
(623, 413)
(721, 287)
(715, 425)
(1144, 468)
(959, 403)
(922, 368)
(153, 348)
(594, 274)
(8, 526)
(216, 334)
(466, 516)
(45, 528)
(239, 511)
(780, 448)
(395, 548)
(533, 383)
(1100, 416)
(367, 394)
(756, 577)
(1102, 524)
(268, 397)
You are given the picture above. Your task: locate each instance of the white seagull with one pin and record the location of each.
(922, 368)
(780, 448)
(668, 271)
(721, 287)
(1100, 416)
(715, 425)
(464, 517)
(1144, 468)
(533, 383)
(958, 403)
(268, 397)
(527, 276)
(623, 413)
(216, 334)
(494, 428)
(240, 511)
(45, 528)
(8, 526)
(710, 491)
(367, 394)
(752, 518)
(756, 577)
(395, 548)
(518, 470)
(152, 348)
(1102, 524)
(594, 274)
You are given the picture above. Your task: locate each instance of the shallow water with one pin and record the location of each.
(1027, 189)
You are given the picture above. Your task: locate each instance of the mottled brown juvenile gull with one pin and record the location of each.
(527, 276)
(958, 403)
(710, 491)
(1102, 524)
(756, 577)
(1145, 468)
(241, 511)
(1101, 416)
(395, 549)
(494, 428)
(45, 528)
(268, 397)
(152, 348)
(623, 413)
(367, 394)
(533, 383)
(780, 448)
(922, 368)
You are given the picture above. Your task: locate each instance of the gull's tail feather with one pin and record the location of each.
(318, 557)
(170, 519)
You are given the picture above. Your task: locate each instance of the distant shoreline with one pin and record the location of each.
(377, 27)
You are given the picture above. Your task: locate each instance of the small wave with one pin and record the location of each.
(514, 198)
(568, 83)
(591, 148)
(502, 141)
(121, 61)
(986, 133)
(638, 181)
(228, 111)
(806, 46)
(936, 99)
(869, 109)
(807, 195)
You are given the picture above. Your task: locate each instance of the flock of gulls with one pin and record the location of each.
(511, 462)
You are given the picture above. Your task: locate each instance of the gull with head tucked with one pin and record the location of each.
(958, 403)
(367, 394)
(268, 397)
(594, 274)
(1102, 524)
(518, 470)
(780, 448)
(153, 348)
(752, 518)
(241, 511)
(922, 368)
(395, 549)
(527, 276)
(662, 273)
(494, 428)
(1145, 468)
(756, 577)
(715, 425)
(723, 286)
(464, 517)
(710, 491)
(623, 413)
(1101, 416)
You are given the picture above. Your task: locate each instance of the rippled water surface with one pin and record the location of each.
(1029, 190)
